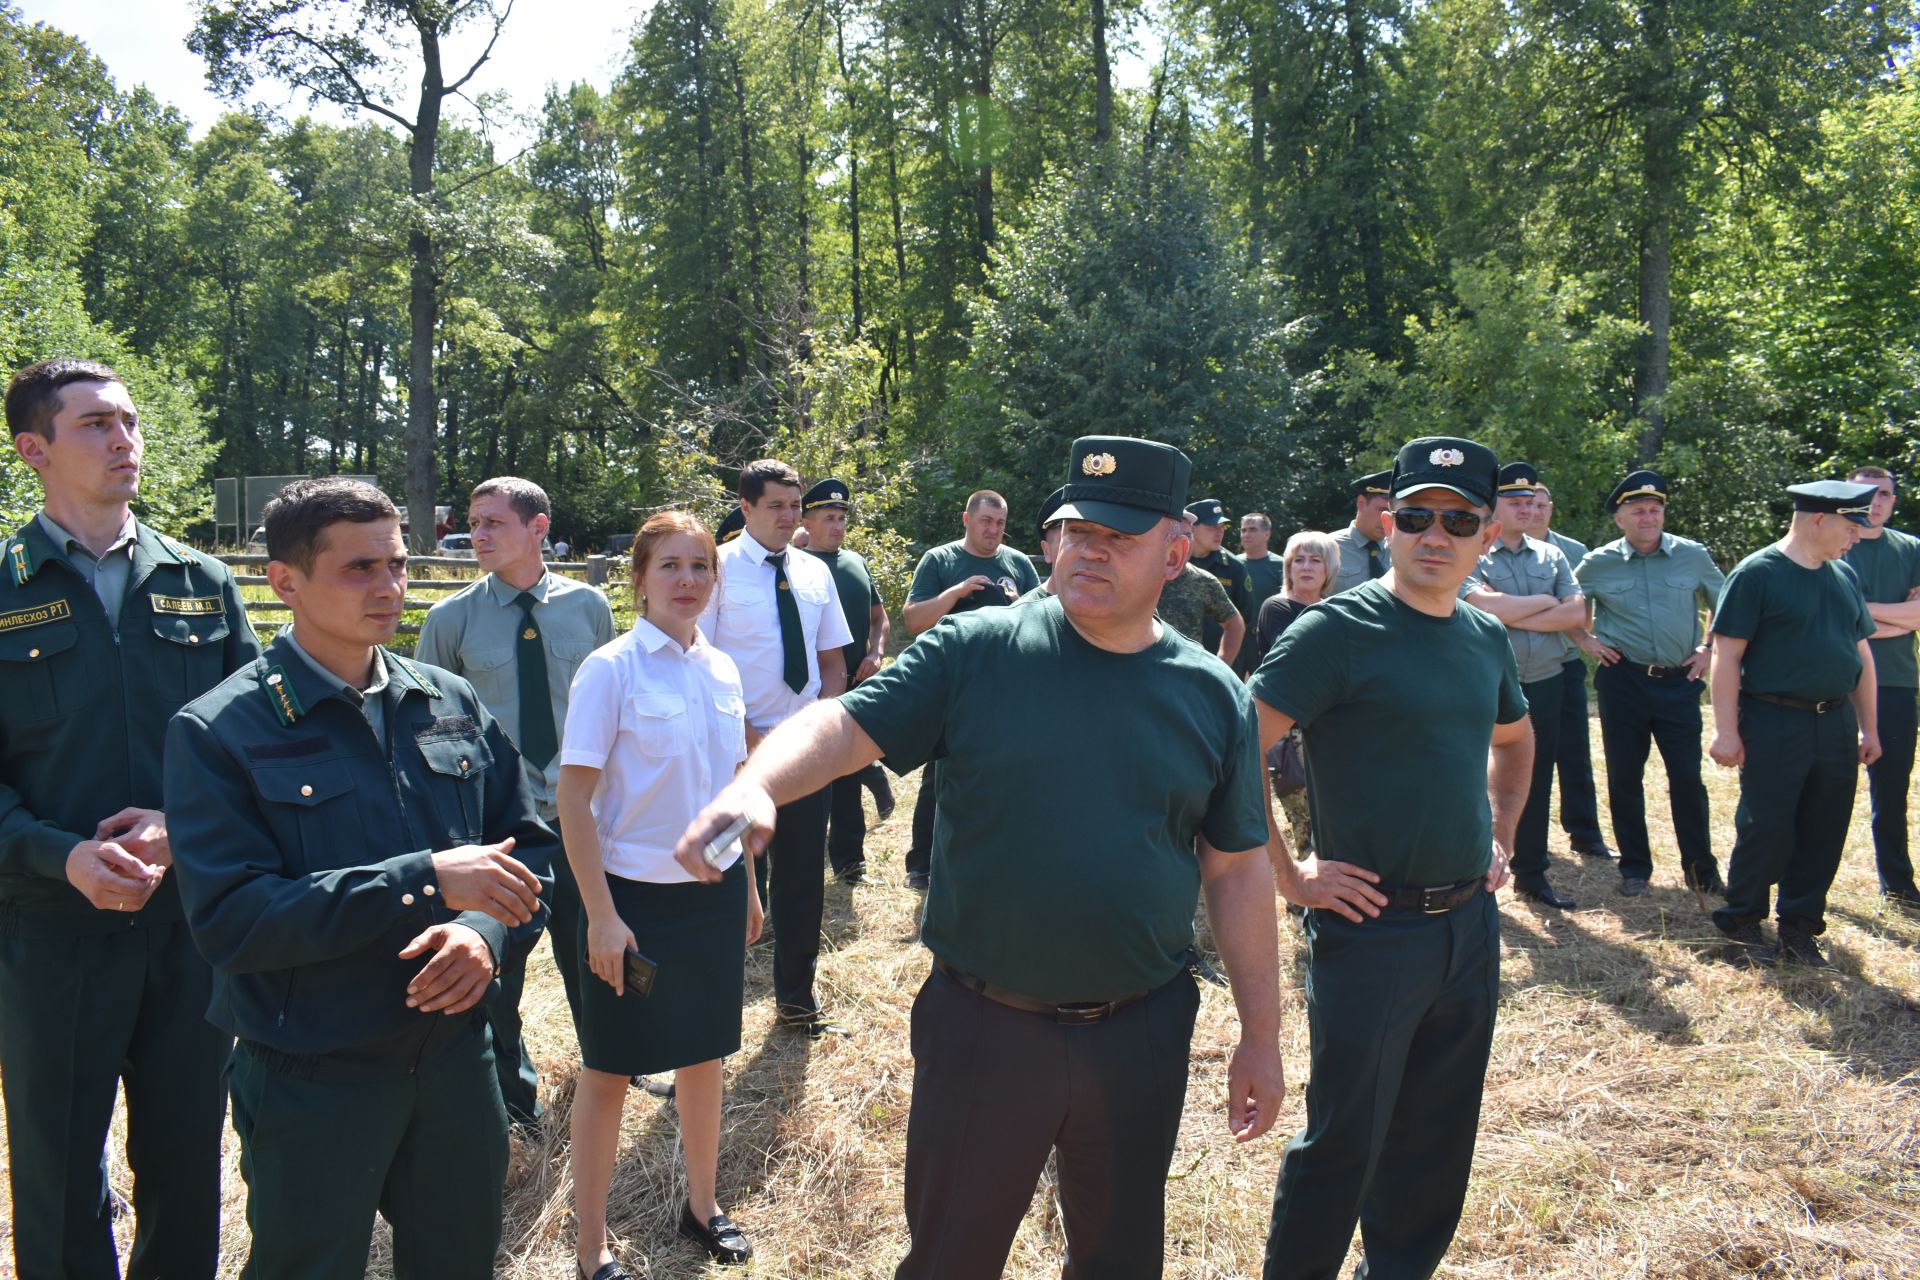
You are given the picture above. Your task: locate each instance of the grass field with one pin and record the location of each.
(1648, 1112)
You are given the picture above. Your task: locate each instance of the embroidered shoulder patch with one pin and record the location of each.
(39, 615)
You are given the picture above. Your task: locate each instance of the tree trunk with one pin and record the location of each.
(423, 298)
(893, 199)
(1102, 77)
(853, 169)
(751, 207)
(1367, 231)
(1660, 176)
(1258, 93)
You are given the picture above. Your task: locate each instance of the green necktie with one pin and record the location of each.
(1374, 567)
(538, 740)
(793, 645)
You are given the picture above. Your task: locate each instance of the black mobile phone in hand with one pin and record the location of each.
(639, 974)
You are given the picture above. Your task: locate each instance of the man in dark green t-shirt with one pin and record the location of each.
(976, 572)
(1266, 577)
(824, 510)
(1402, 691)
(1059, 1012)
(1209, 554)
(1888, 562)
(1794, 710)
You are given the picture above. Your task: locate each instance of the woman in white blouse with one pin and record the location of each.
(655, 727)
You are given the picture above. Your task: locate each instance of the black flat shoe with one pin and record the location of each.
(611, 1271)
(1592, 849)
(724, 1242)
(1536, 889)
(814, 1026)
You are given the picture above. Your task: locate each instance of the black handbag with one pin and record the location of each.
(1287, 765)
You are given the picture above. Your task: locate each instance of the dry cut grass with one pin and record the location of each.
(1648, 1112)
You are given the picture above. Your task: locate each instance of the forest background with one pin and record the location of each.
(922, 244)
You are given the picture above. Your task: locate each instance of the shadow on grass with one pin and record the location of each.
(1623, 976)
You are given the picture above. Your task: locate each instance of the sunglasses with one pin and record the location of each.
(1460, 524)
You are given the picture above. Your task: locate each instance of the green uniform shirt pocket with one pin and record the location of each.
(26, 663)
(188, 662)
(315, 799)
(457, 761)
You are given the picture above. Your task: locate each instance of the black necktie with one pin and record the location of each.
(538, 740)
(1374, 565)
(793, 645)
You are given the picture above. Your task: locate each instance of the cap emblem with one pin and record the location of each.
(1099, 464)
(1447, 458)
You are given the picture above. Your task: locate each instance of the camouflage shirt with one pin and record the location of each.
(1194, 598)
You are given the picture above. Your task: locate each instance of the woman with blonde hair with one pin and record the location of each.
(1307, 567)
(656, 726)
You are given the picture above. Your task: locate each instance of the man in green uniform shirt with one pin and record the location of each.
(1264, 570)
(1059, 1011)
(824, 511)
(1646, 590)
(1210, 556)
(1888, 562)
(1528, 585)
(1573, 761)
(1400, 691)
(1363, 548)
(975, 572)
(1794, 709)
(106, 628)
(518, 635)
(359, 853)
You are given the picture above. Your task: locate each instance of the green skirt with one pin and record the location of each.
(697, 934)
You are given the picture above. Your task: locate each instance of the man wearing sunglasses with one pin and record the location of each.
(1399, 690)
(1795, 710)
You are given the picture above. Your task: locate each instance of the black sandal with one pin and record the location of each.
(724, 1242)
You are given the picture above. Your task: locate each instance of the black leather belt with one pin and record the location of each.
(1663, 673)
(1438, 900)
(1798, 704)
(1071, 1015)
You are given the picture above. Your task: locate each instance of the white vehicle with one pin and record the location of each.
(457, 546)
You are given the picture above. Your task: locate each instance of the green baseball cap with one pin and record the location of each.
(1126, 484)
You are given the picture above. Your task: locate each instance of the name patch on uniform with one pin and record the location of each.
(448, 727)
(39, 615)
(194, 605)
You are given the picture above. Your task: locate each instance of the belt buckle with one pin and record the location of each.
(1428, 898)
(1651, 668)
(1081, 1015)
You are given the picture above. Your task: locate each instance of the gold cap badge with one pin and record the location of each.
(1099, 464)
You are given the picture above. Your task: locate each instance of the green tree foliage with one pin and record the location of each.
(1119, 310)
(923, 243)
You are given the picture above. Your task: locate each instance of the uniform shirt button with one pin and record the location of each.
(33, 653)
(464, 766)
(429, 891)
(306, 790)
(406, 899)
(193, 639)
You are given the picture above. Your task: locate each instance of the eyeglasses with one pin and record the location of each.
(1460, 524)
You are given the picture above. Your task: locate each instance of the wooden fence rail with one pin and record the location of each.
(593, 569)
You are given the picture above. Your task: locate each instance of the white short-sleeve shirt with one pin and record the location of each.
(666, 727)
(743, 618)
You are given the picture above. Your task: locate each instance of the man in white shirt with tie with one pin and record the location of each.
(779, 617)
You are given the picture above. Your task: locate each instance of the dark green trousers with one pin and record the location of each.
(1796, 799)
(77, 1017)
(519, 1082)
(323, 1151)
(1401, 1011)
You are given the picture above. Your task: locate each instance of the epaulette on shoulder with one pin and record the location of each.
(19, 561)
(180, 550)
(280, 696)
(419, 677)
